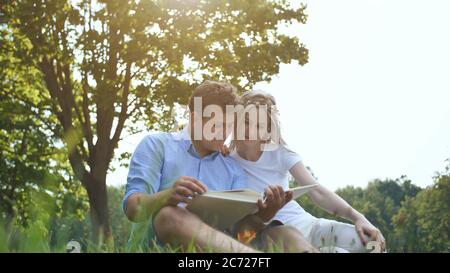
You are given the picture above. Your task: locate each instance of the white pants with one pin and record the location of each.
(332, 236)
(325, 235)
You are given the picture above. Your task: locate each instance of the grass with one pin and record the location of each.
(36, 240)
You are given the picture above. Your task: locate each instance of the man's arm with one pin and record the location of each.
(143, 180)
(140, 206)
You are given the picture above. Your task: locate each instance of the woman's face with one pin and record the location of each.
(253, 129)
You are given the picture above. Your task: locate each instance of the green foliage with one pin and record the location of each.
(119, 221)
(423, 222)
(32, 163)
(149, 53)
(44, 231)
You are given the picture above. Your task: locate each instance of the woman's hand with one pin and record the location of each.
(276, 198)
(368, 232)
(225, 151)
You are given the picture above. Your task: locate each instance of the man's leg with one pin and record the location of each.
(178, 227)
(288, 238)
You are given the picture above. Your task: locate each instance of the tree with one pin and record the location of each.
(31, 163)
(423, 221)
(107, 65)
(36, 183)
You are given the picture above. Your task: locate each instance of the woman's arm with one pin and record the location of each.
(332, 203)
(323, 197)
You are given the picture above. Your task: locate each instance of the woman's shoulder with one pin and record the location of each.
(286, 156)
(280, 149)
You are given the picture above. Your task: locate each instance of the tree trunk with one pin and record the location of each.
(98, 201)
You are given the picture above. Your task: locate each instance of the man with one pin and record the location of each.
(168, 169)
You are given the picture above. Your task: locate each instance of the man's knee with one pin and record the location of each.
(171, 221)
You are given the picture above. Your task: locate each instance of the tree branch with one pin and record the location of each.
(124, 108)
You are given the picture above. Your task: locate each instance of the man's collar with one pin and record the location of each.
(185, 137)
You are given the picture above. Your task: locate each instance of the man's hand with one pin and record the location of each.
(184, 188)
(275, 200)
(365, 229)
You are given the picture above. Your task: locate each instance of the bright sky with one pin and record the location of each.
(374, 99)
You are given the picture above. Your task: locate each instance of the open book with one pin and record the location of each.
(222, 209)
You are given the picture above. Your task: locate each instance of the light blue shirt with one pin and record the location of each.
(161, 158)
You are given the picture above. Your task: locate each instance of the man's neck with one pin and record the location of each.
(202, 152)
(199, 148)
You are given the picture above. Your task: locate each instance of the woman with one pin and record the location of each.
(267, 161)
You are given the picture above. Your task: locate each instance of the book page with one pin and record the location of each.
(220, 213)
(244, 195)
(299, 191)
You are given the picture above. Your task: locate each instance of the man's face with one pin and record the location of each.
(215, 130)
